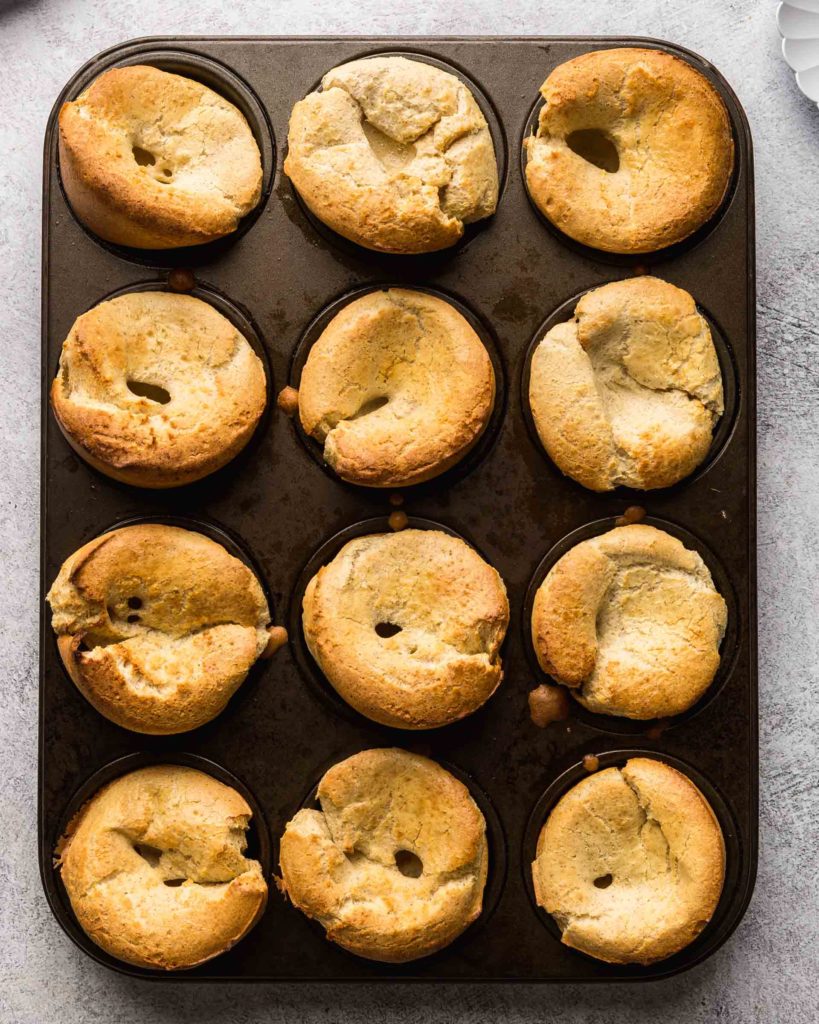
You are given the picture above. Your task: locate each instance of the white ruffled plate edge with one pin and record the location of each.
(798, 24)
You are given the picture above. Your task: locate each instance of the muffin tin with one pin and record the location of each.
(276, 506)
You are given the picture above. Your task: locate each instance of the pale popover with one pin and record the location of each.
(632, 622)
(631, 863)
(393, 154)
(157, 389)
(397, 388)
(394, 863)
(657, 143)
(158, 626)
(629, 391)
(156, 161)
(155, 870)
(407, 627)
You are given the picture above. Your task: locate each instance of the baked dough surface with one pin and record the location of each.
(446, 614)
(631, 863)
(157, 161)
(673, 139)
(632, 622)
(155, 870)
(397, 389)
(629, 391)
(214, 384)
(339, 863)
(393, 154)
(157, 626)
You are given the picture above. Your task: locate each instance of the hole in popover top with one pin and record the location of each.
(595, 146)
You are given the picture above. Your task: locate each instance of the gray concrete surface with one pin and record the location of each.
(766, 972)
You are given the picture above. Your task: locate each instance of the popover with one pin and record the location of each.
(397, 388)
(673, 141)
(393, 154)
(157, 389)
(393, 864)
(631, 863)
(154, 160)
(407, 627)
(627, 393)
(632, 622)
(155, 870)
(157, 626)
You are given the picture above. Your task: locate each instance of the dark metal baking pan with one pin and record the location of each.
(279, 505)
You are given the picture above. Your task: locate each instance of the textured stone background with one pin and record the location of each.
(766, 972)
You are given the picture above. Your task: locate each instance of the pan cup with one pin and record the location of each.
(485, 441)
(243, 322)
(457, 731)
(258, 848)
(233, 545)
(725, 427)
(495, 876)
(222, 80)
(729, 648)
(631, 260)
(431, 261)
(725, 917)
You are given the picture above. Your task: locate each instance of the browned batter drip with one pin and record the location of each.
(180, 280)
(633, 514)
(591, 762)
(659, 727)
(288, 401)
(398, 520)
(548, 704)
(277, 638)
(396, 499)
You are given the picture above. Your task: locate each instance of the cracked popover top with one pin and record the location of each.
(155, 160)
(157, 626)
(628, 392)
(155, 870)
(407, 627)
(393, 863)
(393, 154)
(673, 141)
(157, 389)
(632, 622)
(398, 388)
(631, 863)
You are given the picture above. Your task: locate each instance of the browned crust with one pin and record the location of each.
(338, 863)
(631, 621)
(215, 380)
(200, 626)
(453, 613)
(628, 392)
(185, 126)
(674, 141)
(649, 828)
(195, 826)
(420, 357)
(445, 178)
